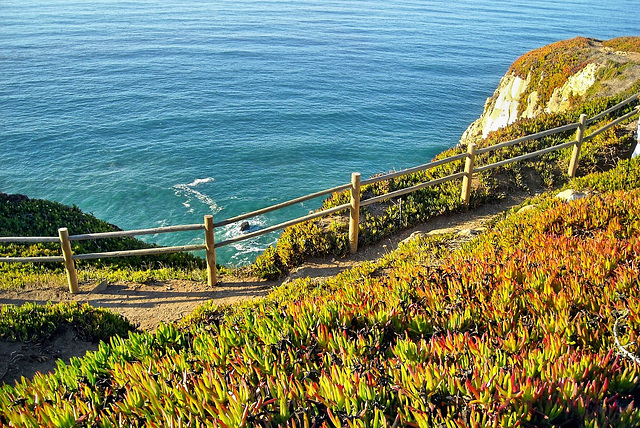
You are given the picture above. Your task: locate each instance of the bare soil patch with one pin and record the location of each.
(146, 305)
(26, 359)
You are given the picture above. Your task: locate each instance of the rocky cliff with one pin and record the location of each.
(553, 78)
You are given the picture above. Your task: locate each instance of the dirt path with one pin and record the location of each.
(464, 222)
(148, 305)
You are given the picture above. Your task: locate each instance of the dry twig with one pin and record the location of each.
(619, 345)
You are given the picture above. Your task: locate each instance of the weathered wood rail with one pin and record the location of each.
(208, 225)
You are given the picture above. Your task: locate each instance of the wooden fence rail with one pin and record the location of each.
(353, 207)
(616, 107)
(282, 205)
(131, 233)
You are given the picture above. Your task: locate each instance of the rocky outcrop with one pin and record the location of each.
(574, 70)
(576, 86)
(501, 109)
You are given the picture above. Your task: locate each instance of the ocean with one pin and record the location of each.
(150, 113)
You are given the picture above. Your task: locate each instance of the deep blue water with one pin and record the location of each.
(151, 113)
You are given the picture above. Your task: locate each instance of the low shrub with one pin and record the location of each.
(550, 67)
(32, 322)
(21, 216)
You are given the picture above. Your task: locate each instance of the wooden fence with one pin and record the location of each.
(208, 226)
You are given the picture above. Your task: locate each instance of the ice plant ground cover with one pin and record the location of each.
(516, 328)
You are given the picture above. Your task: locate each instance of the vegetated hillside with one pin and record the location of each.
(545, 88)
(517, 328)
(559, 77)
(22, 216)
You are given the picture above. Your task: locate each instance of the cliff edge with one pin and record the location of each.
(554, 78)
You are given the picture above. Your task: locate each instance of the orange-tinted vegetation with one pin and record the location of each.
(310, 239)
(550, 67)
(624, 44)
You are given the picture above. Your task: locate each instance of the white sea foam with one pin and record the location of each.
(246, 251)
(199, 181)
(252, 246)
(186, 191)
(232, 230)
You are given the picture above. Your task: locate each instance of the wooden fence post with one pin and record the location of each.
(354, 212)
(465, 196)
(72, 276)
(575, 156)
(211, 250)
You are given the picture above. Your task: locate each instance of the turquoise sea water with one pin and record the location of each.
(150, 113)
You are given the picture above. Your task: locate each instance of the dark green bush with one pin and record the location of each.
(21, 216)
(32, 322)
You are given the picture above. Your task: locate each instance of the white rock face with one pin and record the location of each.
(501, 109)
(577, 85)
(504, 110)
(532, 104)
